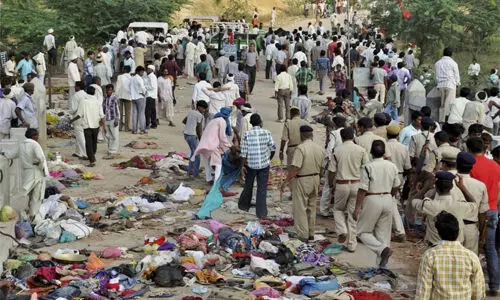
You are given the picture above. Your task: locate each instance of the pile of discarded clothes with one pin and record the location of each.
(58, 124)
(58, 220)
(252, 261)
(64, 175)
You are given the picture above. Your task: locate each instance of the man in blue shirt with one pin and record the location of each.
(412, 129)
(25, 66)
(89, 69)
(323, 69)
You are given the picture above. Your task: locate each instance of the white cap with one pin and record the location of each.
(230, 77)
(152, 67)
(50, 30)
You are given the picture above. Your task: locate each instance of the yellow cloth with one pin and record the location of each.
(449, 271)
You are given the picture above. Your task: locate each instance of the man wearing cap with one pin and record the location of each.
(73, 77)
(221, 65)
(366, 136)
(26, 109)
(233, 92)
(307, 165)
(344, 175)
(488, 172)
(443, 144)
(290, 138)
(69, 51)
(49, 42)
(101, 71)
(443, 201)
(400, 156)
(374, 209)
(151, 83)
(380, 127)
(465, 163)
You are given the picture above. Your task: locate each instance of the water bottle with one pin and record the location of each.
(58, 157)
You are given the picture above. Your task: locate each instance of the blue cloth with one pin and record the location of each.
(194, 166)
(490, 250)
(312, 286)
(212, 201)
(229, 173)
(224, 113)
(393, 111)
(65, 292)
(355, 100)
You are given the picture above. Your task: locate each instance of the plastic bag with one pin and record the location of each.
(67, 237)
(23, 230)
(198, 257)
(258, 264)
(268, 247)
(111, 252)
(48, 229)
(200, 230)
(254, 228)
(315, 287)
(94, 263)
(80, 230)
(168, 276)
(182, 193)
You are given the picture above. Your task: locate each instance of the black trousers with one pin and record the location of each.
(262, 176)
(91, 142)
(52, 56)
(269, 64)
(150, 112)
(251, 71)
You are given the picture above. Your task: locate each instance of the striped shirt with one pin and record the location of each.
(111, 108)
(304, 75)
(256, 146)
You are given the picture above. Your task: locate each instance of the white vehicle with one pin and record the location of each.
(154, 28)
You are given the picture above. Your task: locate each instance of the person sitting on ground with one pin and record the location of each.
(449, 271)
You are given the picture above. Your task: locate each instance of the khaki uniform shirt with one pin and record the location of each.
(480, 194)
(379, 176)
(399, 155)
(432, 208)
(381, 132)
(366, 140)
(308, 158)
(291, 131)
(435, 156)
(418, 141)
(347, 160)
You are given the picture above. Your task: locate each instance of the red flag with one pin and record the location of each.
(406, 13)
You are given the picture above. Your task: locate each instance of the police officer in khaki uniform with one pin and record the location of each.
(344, 175)
(401, 158)
(374, 206)
(380, 128)
(419, 155)
(443, 201)
(443, 142)
(290, 138)
(366, 136)
(305, 169)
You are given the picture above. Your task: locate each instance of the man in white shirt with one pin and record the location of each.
(77, 124)
(200, 49)
(270, 50)
(73, 77)
(447, 79)
(151, 96)
(49, 43)
(283, 87)
(457, 107)
(69, 51)
(190, 58)
(141, 37)
(91, 115)
(129, 61)
(292, 70)
(123, 93)
(10, 68)
(198, 90)
(7, 113)
(138, 96)
(300, 55)
(218, 98)
(26, 110)
(221, 64)
(233, 91)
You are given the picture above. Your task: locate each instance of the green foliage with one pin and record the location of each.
(438, 23)
(23, 23)
(294, 7)
(234, 9)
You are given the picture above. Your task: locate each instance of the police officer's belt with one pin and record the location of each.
(374, 194)
(292, 146)
(308, 175)
(347, 181)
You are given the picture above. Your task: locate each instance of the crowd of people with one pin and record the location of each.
(442, 172)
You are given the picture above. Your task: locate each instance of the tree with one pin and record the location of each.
(25, 22)
(439, 23)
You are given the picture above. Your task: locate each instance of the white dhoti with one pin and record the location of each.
(190, 68)
(80, 139)
(113, 136)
